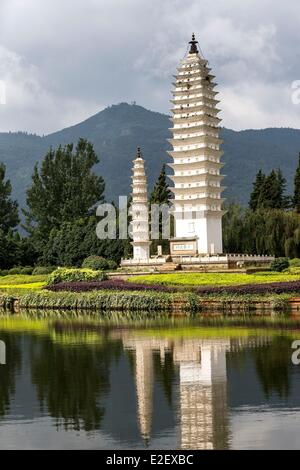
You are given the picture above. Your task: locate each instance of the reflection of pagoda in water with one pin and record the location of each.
(145, 378)
(203, 393)
(204, 422)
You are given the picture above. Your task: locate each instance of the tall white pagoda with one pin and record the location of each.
(139, 210)
(197, 204)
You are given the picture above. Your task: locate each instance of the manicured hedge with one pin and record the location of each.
(76, 275)
(98, 263)
(279, 264)
(38, 270)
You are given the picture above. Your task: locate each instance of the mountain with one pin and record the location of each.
(117, 131)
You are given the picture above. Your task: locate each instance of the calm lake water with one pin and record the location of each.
(87, 384)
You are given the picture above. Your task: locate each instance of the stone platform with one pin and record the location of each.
(198, 263)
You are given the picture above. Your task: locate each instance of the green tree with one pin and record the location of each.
(233, 228)
(296, 198)
(16, 251)
(269, 191)
(268, 198)
(285, 202)
(161, 194)
(264, 231)
(74, 241)
(9, 218)
(257, 188)
(65, 188)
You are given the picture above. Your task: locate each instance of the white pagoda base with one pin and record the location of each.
(207, 231)
(141, 250)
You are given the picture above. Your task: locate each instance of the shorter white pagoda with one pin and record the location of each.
(139, 210)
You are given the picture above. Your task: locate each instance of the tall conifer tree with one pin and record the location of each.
(256, 192)
(161, 193)
(296, 198)
(8, 208)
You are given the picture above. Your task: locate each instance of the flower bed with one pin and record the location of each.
(267, 288)
(115, 284)
(121, 285)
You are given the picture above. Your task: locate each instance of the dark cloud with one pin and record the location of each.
(65, 60)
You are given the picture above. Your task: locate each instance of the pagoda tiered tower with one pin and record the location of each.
(139, 210)
(197, 204)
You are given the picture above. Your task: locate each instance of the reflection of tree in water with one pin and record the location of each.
(273, 366)
(9, 370)
(166, 373)
(238, 360)
(71, 380)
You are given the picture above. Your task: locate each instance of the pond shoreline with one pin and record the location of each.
(177, 304)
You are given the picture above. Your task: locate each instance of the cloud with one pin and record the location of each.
(66, 60)
(30, 104)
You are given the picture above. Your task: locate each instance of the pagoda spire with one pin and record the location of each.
(193, 43)
(196, 154)
(139, 209)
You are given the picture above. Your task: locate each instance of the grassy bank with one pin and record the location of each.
(133, 301)
(26, 292)
(103, 300)
(20, 284)
(214, 279)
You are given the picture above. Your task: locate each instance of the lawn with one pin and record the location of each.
(21, 283)
(214, 279)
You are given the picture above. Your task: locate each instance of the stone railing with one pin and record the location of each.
(257, 258)
(210, 259)
(142, 262)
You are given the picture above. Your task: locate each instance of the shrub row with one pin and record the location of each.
(28, 270)
(74, 274)
(279, 264)
(6, 302)
(130, 301)
(98, 263)
(114, 284)
(267, 288)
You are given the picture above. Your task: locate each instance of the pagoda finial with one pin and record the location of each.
(139, 153)
(193, 43)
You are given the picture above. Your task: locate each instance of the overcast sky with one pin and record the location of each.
(64, 60)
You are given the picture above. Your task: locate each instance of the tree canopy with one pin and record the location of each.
(269, 191)
(9, 217)
(296, 198)
(161, 193)
(63, 189)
